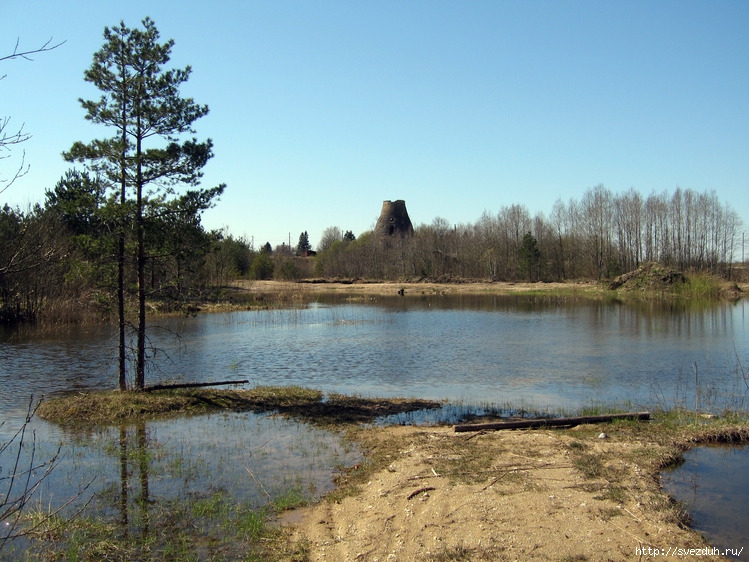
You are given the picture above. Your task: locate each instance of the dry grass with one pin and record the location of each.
(271, 290)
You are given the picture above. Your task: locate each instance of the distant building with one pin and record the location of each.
(394, 220)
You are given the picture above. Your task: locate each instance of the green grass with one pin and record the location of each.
(213, 527)
(291, 498)
(462, 553)
(700, 285)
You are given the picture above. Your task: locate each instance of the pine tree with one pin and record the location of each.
(141, 104)
(530, 256)
(303, 246)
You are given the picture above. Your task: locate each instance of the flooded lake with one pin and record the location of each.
(498, 350)
(517, 353)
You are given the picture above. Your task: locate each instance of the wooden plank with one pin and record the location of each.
(552, 422)
(192, 385)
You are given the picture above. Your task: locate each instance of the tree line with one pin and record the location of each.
(600, 236)
(59, 259)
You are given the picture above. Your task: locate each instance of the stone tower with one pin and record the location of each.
(394, 220)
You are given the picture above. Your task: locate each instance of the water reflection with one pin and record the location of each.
(192, 475)
(136, 467)
(713, 484)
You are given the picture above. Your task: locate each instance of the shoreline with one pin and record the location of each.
(431, 493)
(507, 495)
(570, 289)
(391, 288)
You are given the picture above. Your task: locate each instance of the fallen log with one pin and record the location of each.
(552, 422)
(191, 385)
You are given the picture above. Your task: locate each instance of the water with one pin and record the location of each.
(530, 352)
(712, 485)
(255, 455)
(524, 353)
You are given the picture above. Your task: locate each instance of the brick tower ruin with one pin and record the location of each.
(394, 220)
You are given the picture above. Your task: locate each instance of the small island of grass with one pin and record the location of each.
(108, 407)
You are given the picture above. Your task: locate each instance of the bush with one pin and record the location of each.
(262, 267)
(289, 270)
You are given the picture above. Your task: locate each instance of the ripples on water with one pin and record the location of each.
(484, 351)
(539, 356)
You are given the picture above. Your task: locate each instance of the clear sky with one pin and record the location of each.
(322, 109)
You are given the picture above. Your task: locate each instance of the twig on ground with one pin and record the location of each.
(420, 491)
(262, 488)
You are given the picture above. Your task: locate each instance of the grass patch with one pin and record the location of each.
(655, 280)
(290, 499)
(616, 494)
(701, 285)
(654, 446)
(110, 407)
(199, 528)
(590, 465)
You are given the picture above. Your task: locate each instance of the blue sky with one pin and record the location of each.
(320, 110)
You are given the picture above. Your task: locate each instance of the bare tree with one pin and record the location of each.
(329, 236)
(559, 249)
(628, 216)
(26, 474)
(10, 137)
(597, 227)
(599, 236)
(514, 221)
(16, 54)
(6, 141)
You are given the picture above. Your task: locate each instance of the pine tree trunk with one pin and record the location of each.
(121, 310)
(140, 373)
(121, 256)
(140, 370)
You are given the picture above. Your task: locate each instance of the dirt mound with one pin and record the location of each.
(650, 276)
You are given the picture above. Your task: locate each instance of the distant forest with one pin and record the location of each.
(58, 260)
(599, 237)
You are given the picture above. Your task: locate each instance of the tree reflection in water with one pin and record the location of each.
(129, 460)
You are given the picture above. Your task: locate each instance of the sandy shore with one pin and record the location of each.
(411, 288)
(506, 495)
